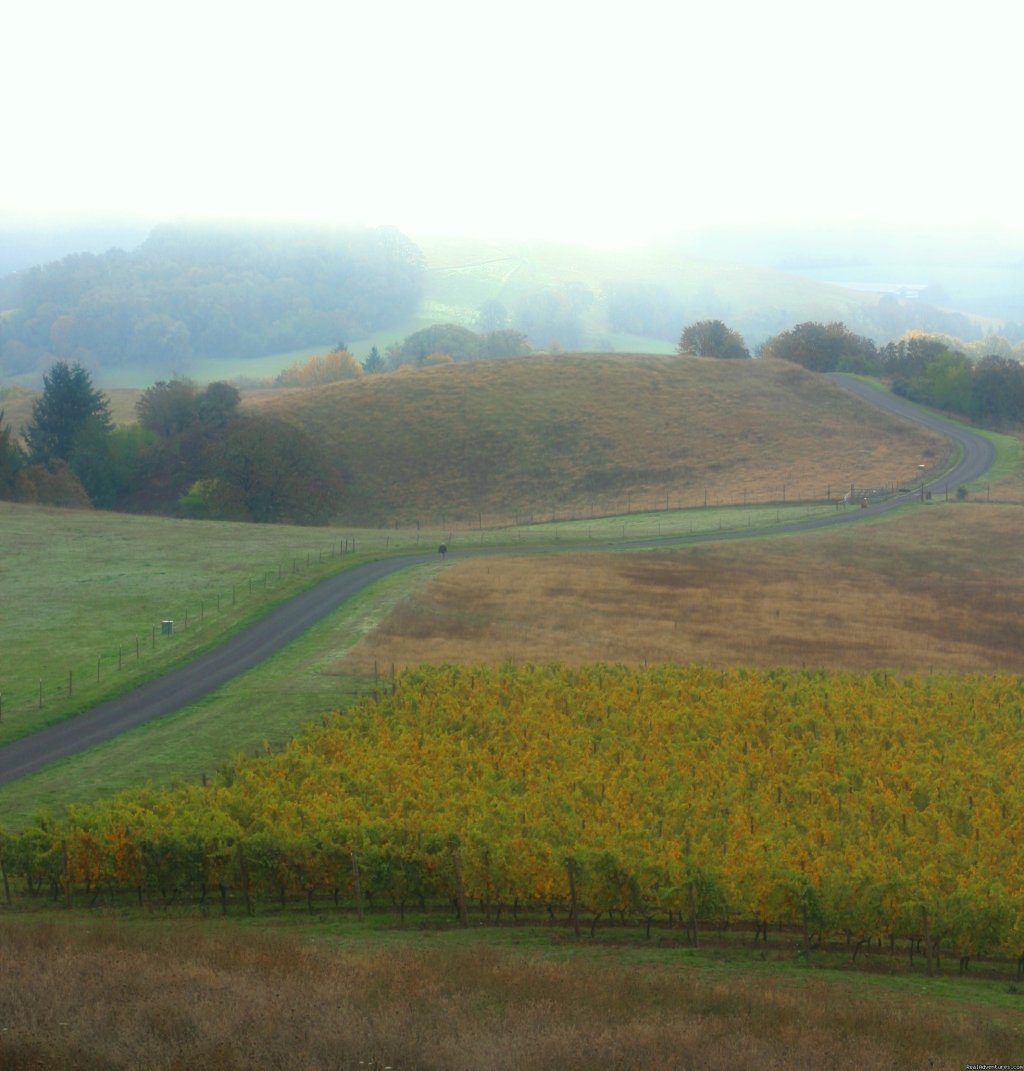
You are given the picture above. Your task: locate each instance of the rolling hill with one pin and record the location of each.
(581, 435)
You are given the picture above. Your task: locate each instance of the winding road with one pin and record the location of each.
(290, 619)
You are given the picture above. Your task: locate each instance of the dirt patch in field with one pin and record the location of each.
(942, 589)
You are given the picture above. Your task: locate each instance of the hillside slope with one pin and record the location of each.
(579, 435)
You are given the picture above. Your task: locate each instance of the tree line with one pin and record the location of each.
(211, 292)
(192, 453)
(927, 369)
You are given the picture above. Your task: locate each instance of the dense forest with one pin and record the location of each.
(208, 291)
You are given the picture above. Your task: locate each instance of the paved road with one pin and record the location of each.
(289, 620)
(977, 453)
(191, 682)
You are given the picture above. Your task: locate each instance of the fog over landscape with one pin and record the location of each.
(538, 120)
(617, 162)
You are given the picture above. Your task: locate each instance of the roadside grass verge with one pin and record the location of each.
(1004, 481)
(261, 709)
(86, 592)
(571, 528)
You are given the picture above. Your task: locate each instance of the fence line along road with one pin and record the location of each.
(290, 619)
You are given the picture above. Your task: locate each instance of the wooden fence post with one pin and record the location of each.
(570, 866)
(3, 873)
(243, 870)
(66, 872)
(357, 882)
(460, 891)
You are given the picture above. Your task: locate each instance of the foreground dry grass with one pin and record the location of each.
(171, 998)
(940, 589)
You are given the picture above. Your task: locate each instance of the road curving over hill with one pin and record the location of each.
(977, 453)
(290, 619)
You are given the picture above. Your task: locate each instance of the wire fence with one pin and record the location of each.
(29, 699)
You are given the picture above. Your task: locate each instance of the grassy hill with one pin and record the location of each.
(588, 435)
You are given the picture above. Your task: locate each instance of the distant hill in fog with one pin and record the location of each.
(189, 291)
(613, 300)
(979, 271)
(24, 247)
(116, 299)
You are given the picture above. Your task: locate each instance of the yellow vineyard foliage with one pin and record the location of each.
(866, 804)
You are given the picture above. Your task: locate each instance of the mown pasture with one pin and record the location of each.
(86, 594)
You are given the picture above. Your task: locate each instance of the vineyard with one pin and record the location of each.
(849, 808)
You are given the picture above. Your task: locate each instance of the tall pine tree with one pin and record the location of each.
(69, 407)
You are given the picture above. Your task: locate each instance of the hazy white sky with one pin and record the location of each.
(560, 118)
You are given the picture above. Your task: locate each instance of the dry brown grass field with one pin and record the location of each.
(170, 998)
(500, 442)
(941, 588)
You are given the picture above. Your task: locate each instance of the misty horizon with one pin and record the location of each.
(546, 122)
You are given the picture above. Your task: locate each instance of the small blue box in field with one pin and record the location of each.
(166, 628)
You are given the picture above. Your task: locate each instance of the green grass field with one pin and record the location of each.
(86, 593)
(271, 702)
